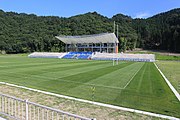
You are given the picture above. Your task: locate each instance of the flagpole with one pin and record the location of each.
(114, 42)
(116, 45)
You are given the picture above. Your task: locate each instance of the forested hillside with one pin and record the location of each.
(22, 33)
(161, 31)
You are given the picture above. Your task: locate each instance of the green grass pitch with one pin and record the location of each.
(136, 85)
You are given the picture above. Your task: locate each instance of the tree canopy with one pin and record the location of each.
(23, 33)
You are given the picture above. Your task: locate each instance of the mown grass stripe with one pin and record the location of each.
(42, 74)
(118, 78)
(132, 77)
(49, 68)
(147, 90)
(16, 75)
(86, 76)
(49, 65)
(141, 77)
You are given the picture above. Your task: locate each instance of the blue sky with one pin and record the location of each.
(67, 8)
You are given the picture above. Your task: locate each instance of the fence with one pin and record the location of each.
(19, 109)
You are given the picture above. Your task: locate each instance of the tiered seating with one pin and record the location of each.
(69, 55)
(46, 55)
(126, 57)
(84, 55)
(78, 55)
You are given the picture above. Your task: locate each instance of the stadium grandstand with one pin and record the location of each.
(102, 46)
(104, 42)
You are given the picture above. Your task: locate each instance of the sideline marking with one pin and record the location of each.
(96, 103)
(169, 84)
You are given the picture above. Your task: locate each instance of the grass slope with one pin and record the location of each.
(171, 69)
(76, 107)
(131, 84)
(167, 57)
(159, 55)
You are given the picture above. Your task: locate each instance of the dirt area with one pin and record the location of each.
(83, 109)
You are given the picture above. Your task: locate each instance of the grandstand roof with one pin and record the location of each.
(95, 38)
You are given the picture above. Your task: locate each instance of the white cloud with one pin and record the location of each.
(142, 15)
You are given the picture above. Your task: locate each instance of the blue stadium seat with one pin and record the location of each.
(78, 55)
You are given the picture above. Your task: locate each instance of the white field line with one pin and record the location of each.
(132, 77)
(169, 84)
(95, 103)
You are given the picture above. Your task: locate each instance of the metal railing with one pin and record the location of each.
(19, 109)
